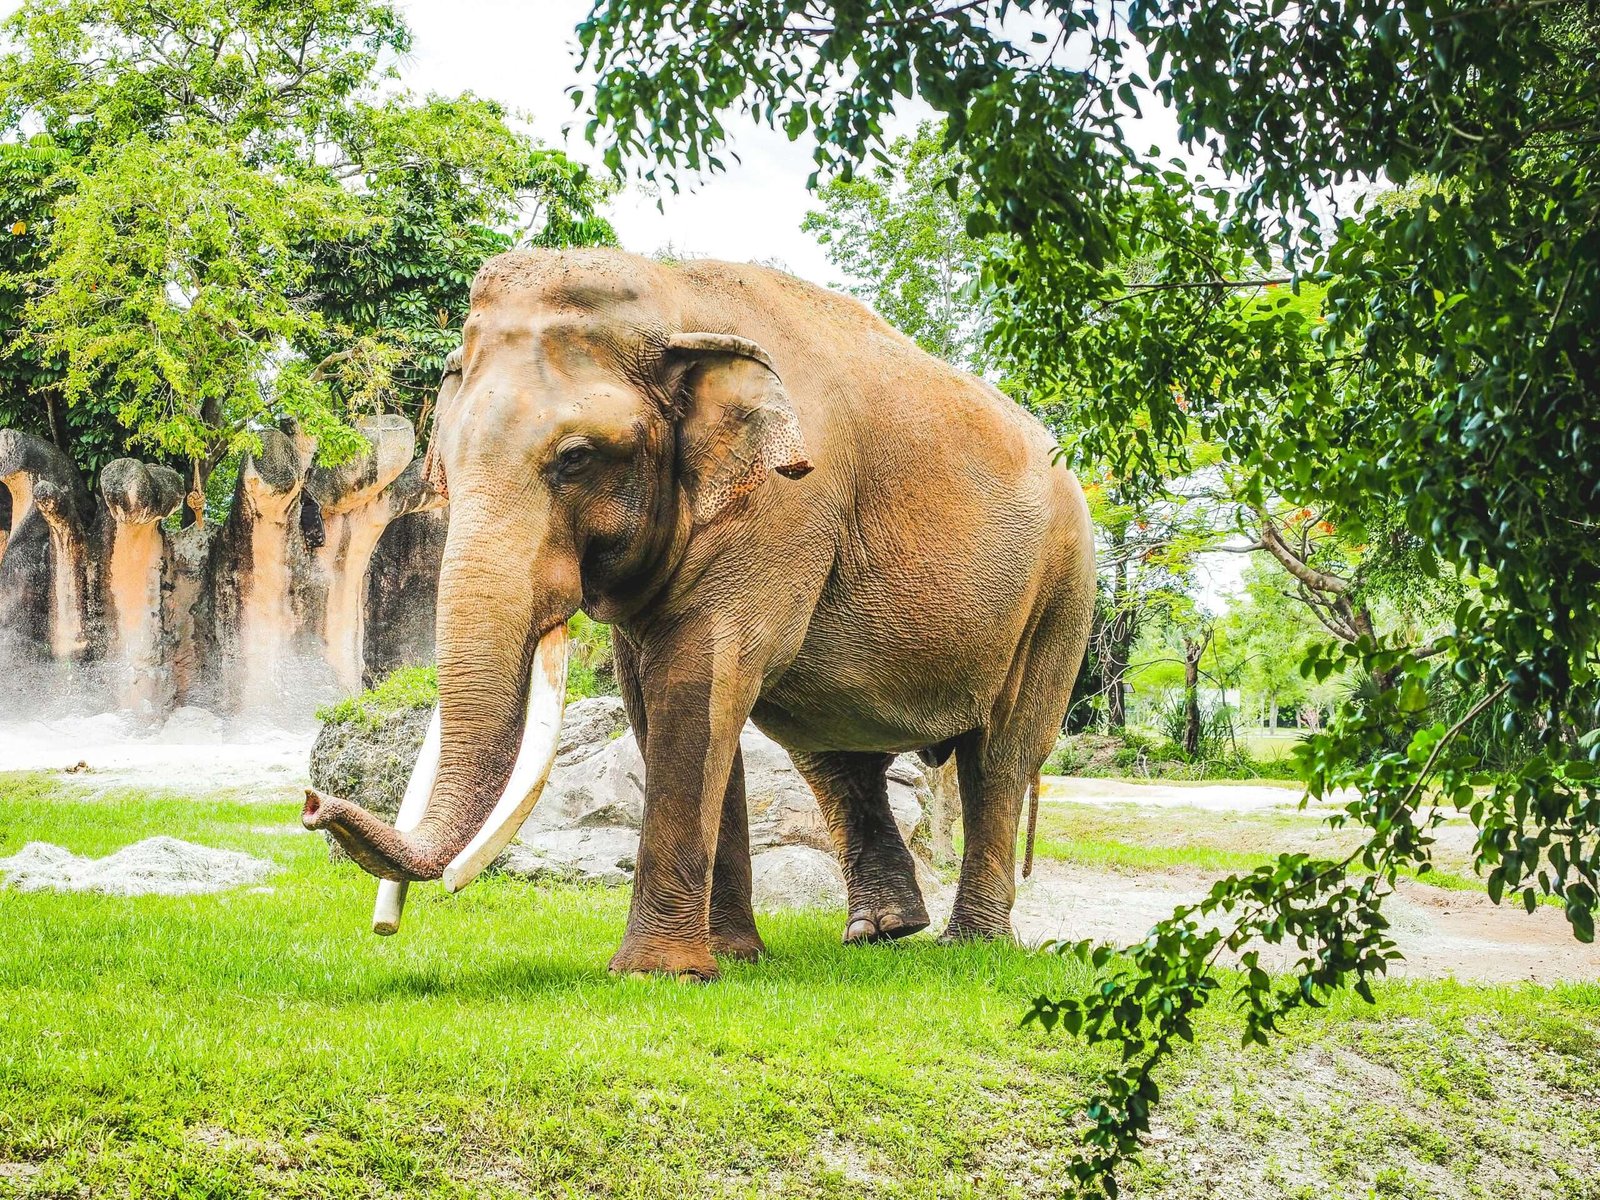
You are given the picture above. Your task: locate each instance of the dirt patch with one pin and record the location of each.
(159, 866)
(1441, 933)
(1408, 1110)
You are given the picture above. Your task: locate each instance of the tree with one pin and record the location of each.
(221, 222)
(900, 231)
(1267, 631)
(1453, 382)
(1147, 549)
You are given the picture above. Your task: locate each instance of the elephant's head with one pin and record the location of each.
(592, 429)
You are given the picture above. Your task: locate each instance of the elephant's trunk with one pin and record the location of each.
(502, 682)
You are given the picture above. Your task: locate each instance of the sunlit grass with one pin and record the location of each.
(256, 1044)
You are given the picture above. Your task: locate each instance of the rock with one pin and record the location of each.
(796, 877)
(603, 854)
(158, 866)
(589, 726)
(606, 787)
(907, 790)
(783, 810)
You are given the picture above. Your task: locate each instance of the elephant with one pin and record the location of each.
(789, 513)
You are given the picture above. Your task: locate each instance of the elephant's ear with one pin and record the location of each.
(734, 421)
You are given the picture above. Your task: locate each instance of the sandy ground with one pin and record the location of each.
(1442, 932)
(194, 751)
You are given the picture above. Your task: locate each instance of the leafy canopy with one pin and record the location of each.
(901, 235)
(223, 215)
(1451, 377)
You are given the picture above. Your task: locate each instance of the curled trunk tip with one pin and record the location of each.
(374, 846)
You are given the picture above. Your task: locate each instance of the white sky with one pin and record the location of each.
(523, 55)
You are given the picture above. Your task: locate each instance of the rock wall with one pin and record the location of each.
(105, 603)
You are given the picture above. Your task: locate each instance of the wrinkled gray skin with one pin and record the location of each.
(639, 440)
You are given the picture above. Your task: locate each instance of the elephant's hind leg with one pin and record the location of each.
(993, 782)
(880, 876)
(996, 765)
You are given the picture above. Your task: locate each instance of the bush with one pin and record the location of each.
(1068, 757)
(1132, 754)
(404, 688)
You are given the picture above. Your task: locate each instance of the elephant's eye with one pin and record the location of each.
(574, 458)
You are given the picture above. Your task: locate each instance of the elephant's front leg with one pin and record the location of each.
(733, 921)
(694, 718)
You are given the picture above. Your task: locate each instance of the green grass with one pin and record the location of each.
(265, 1044)
(1129, 837)
(1135, 839)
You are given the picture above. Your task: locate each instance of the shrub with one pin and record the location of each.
(402, 689)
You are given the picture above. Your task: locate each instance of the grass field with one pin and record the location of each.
(263, 1044)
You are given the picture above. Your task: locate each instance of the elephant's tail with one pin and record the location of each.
(1033, 825)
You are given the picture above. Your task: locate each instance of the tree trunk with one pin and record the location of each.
(1120, 629)
(944, 809)
(1272, 720)
(1193, 648)
(58, 423)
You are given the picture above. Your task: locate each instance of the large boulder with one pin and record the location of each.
(606, 787)
(602, 787)
(369, 759)
(604, 854)
(795, 877)
(588, 727)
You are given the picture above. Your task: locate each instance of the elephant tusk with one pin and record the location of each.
(541, 734)
(413, 806)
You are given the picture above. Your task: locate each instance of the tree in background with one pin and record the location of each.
(900, 232)
(220, 220)
(1266, 635)
(1453, 380)
(1148, 544)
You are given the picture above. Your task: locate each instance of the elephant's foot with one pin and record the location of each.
(689, 961)
(745, 945)
(966, 927)
(892, 909)
(882, 925)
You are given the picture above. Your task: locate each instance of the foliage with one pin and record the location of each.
(228, 217)
(901, 235)
(590, 670)
(1170, 714)
(1451, 379)
(404, 689)
(170, 269)
(1147, 545)
(1263, 638)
